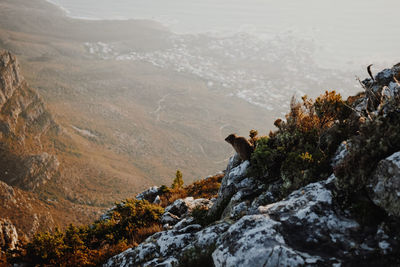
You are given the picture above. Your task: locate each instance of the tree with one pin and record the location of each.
(178, 181)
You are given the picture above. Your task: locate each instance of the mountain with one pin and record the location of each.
(26, 128)
(31, 162)
(321, 190)
(78, 132)
(132, 119)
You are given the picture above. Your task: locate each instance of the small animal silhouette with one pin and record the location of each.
(241, 146)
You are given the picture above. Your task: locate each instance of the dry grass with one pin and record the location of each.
(142, 233)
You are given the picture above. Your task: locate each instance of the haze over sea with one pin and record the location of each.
(356, 30)
(316, 35)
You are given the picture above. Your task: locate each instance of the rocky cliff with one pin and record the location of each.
(25, 126)
(250, 224)
(29, 161)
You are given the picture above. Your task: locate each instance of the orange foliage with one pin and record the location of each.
(206, 188)
(142, 233)
(318, 115)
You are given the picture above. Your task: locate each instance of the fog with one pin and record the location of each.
(343, 34)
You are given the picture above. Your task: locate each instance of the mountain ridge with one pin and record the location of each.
(337, 205)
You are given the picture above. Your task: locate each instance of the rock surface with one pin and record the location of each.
(149, 194)
(22, 112)
(24, 123)
(385, 185)
(305, 229)
(8, 235)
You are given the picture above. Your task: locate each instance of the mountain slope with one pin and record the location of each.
(30, 158)
(321, 190)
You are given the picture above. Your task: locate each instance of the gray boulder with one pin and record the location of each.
(384, 187)
(183, 207)
(235, 173)
(169, 248)
(149, 194)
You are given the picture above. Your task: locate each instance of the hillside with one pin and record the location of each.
(321, 190)
(79, 132)
(134, 121)
(33, 149)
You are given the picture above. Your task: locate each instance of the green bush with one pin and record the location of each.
(91, 245)
(124, 219)
(178, 180)
(299, 152)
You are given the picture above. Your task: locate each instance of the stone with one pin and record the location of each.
(229, 186)
(384, 186)
(169, 218)
(149, 194)
(8, 235)
(157, 200)
(182, 207)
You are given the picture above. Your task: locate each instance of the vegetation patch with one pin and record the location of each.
(376, 140)
(126, 225)
(299, 152)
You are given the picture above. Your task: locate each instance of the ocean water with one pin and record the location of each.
(347, 33)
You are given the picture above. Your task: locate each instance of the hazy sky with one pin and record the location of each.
(344, 31)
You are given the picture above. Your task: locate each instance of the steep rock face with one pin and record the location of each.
(22, 112)
(385, 185)
(8, 235)
(24, 123)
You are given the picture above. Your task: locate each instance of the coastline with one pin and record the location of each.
(68, 14)
(63, 9)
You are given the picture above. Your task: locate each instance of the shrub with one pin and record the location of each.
(299, 151)
(178, 181)
(47, 247)
(129, 222)
(206, 188)
(125, 219)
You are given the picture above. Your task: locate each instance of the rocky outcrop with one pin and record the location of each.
(22, 112)
(39, 170)
(24, 125)
(281, 233)
(384, 187)
(254, 229)
(8, 235)
(182, 208)
(149, 194)
(380, 92)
